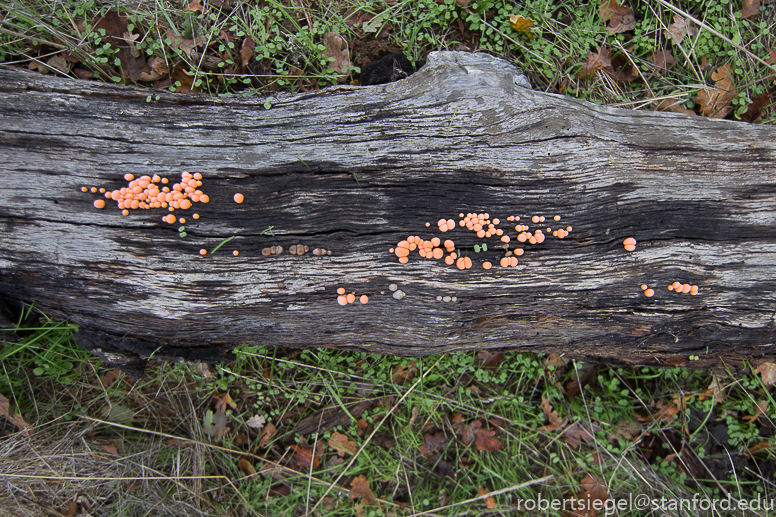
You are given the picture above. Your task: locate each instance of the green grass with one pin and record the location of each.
(468, 423)
(250, 48)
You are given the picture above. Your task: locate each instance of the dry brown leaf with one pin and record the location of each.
(58, 62)
(749, 8)
(158, 70)
(402, 373)
(484, 440)
(304, 457)
(108, 379)
(267, 433)
(578, 432)
(184, 44)
(624, 430)
(490, 501)
(175, 442)
(360, 488)
(72, 508)
(247, 51)
(196, 5)
(617, 18)
(17, 419)
(717, 391)
(246, 467)
(342, 444)
(716, 103)
(768, 373)
(337, 49)
(755, 112)
(222, 402)
(433, 443)
(490, 359)
(663, 59)
(759, 409)
(679, 29)
(556, 422)
(594, 63)
(594, 495)
(110, 448)
(759, 446)
(667, 411)
(675, 105)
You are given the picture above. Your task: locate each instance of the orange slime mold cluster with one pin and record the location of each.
(630, 244)
(680, 288)
(484, 227)
(344, 299)
(145, 193)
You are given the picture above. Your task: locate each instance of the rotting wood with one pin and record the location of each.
(356, 170)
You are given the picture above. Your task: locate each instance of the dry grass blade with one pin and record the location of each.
(236, 452)
(489, 494)
(716, 33)
(374, 431)
(65, 453)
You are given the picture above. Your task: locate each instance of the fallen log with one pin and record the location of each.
(354, 171)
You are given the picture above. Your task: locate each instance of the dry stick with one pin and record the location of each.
(374, 431)
(489, 494)
(717, 34)
(230, 451)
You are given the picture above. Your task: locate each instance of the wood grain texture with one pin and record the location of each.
(357, 169)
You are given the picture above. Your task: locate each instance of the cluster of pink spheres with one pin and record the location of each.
(680, 288)
(484, 227)
(146, 193)
(344, 299)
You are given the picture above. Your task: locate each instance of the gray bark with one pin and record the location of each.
(355, 170)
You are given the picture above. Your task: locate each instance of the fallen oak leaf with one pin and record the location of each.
(185, 45)
(433, 443)
(556, 423)
(716, 103)
(305, 457)
(256, 422)
(595, 62)
(490, 359)
(679, 29)
(247, 51)
(196, 5)
(593, 497)
(17, 420)
(768, 373)
(267, 433)
(338, 53)
(759, 409)
(749, 8)
(484, 440)
(490, 501)
(342, 444)
(360, 488)
(59, 63)
(662, 59)
(578, 432)
(617, 18)
(157, 70)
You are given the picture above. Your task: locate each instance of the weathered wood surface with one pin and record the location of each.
(357, 169)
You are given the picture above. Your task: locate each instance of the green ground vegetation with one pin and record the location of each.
(325, 432)
(648, 55)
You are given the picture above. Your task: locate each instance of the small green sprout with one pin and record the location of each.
(222, 243)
